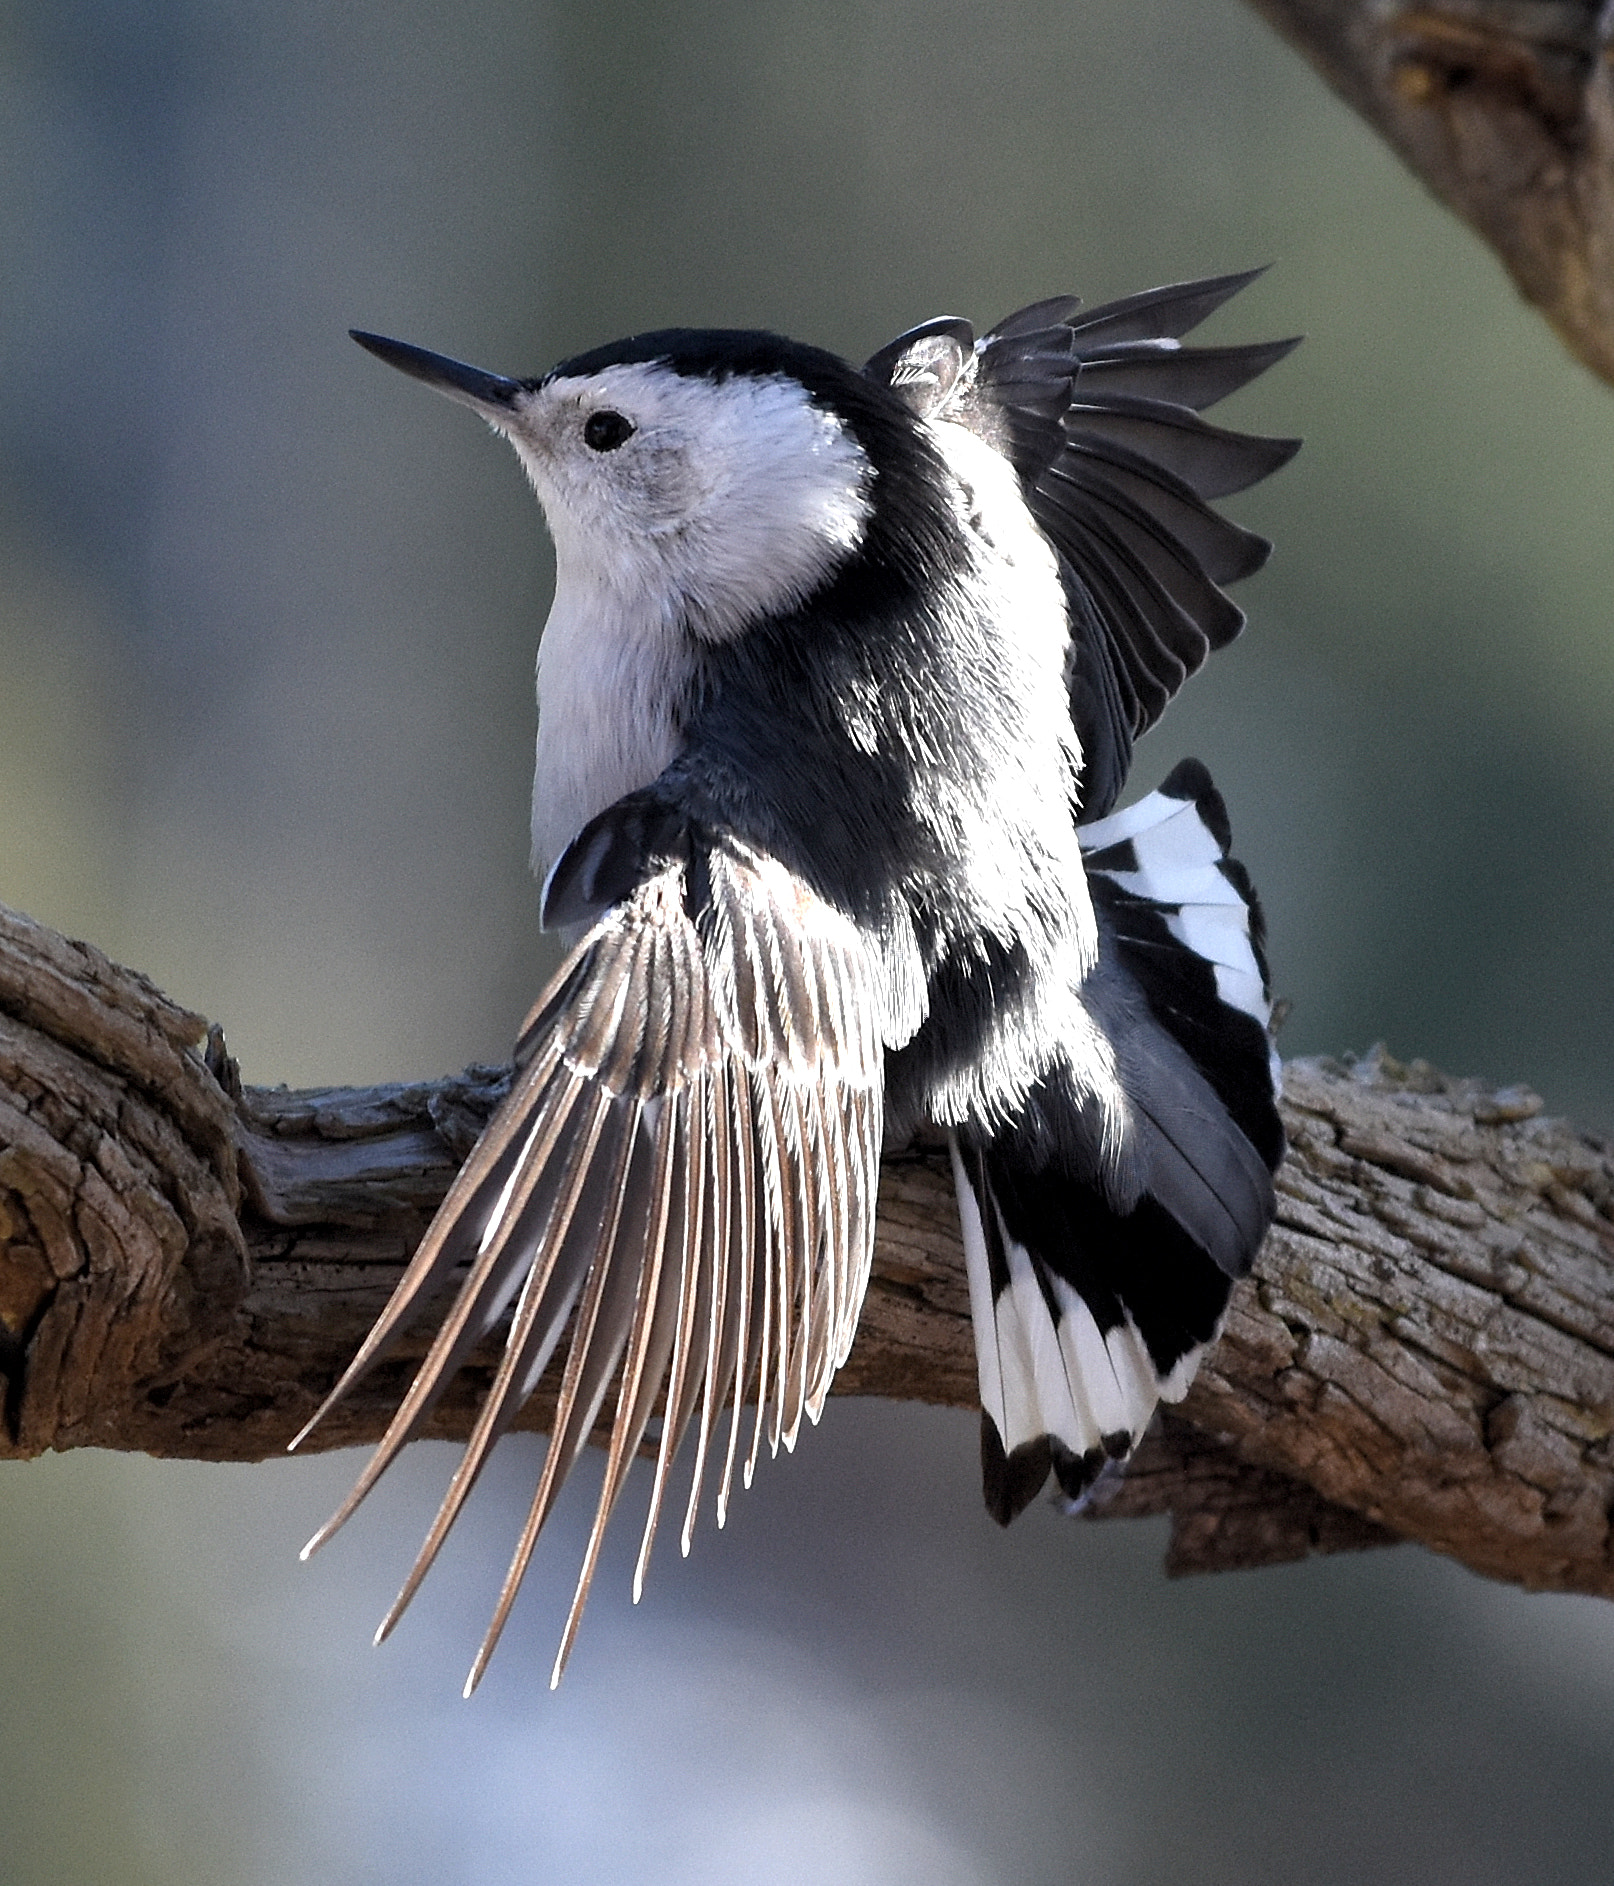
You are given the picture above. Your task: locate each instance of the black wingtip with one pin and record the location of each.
(1172, 310)
(1220, 288)
(470, 385)
(1282, 450)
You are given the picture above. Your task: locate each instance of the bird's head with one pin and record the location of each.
(713, 477)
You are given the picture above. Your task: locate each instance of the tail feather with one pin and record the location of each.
(1096, 1282)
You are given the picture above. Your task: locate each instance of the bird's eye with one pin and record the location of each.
(605, 430)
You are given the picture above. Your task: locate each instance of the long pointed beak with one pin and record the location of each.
(469, 385)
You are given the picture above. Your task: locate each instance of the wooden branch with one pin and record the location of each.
(1426, 1350)
(1505, 110)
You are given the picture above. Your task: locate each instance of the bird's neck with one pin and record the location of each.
(613, 677)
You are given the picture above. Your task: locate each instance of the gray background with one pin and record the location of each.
(267, 616)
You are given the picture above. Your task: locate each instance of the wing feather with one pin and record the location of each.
(717, 1212)
(1098, 412)
(737, 1370)
(683, 1172)
(770, 1358)
(535, 1331)
(689, 1254)
(1195, 377)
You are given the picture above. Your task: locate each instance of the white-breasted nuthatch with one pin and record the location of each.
(837, 694)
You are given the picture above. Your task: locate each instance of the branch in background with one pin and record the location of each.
(1425, 1352)
(1505, 109)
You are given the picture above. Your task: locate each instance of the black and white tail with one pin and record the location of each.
(1104, 1228)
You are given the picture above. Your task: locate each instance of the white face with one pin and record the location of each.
(725, 501)
(698, 507)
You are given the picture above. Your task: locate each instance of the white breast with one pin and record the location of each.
(609, 681)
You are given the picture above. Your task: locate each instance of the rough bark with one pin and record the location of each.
(1425, 1350)
(1505, 110)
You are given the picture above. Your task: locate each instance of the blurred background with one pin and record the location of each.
(267, 621)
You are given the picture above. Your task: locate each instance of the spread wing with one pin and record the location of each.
(684, 1172)
(1099, 414)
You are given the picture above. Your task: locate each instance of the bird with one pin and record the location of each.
(837, 696)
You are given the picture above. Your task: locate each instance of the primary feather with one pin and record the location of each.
(685, 1168)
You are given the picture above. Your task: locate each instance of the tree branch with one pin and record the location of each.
(1426, 1350)
(1505, 110)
